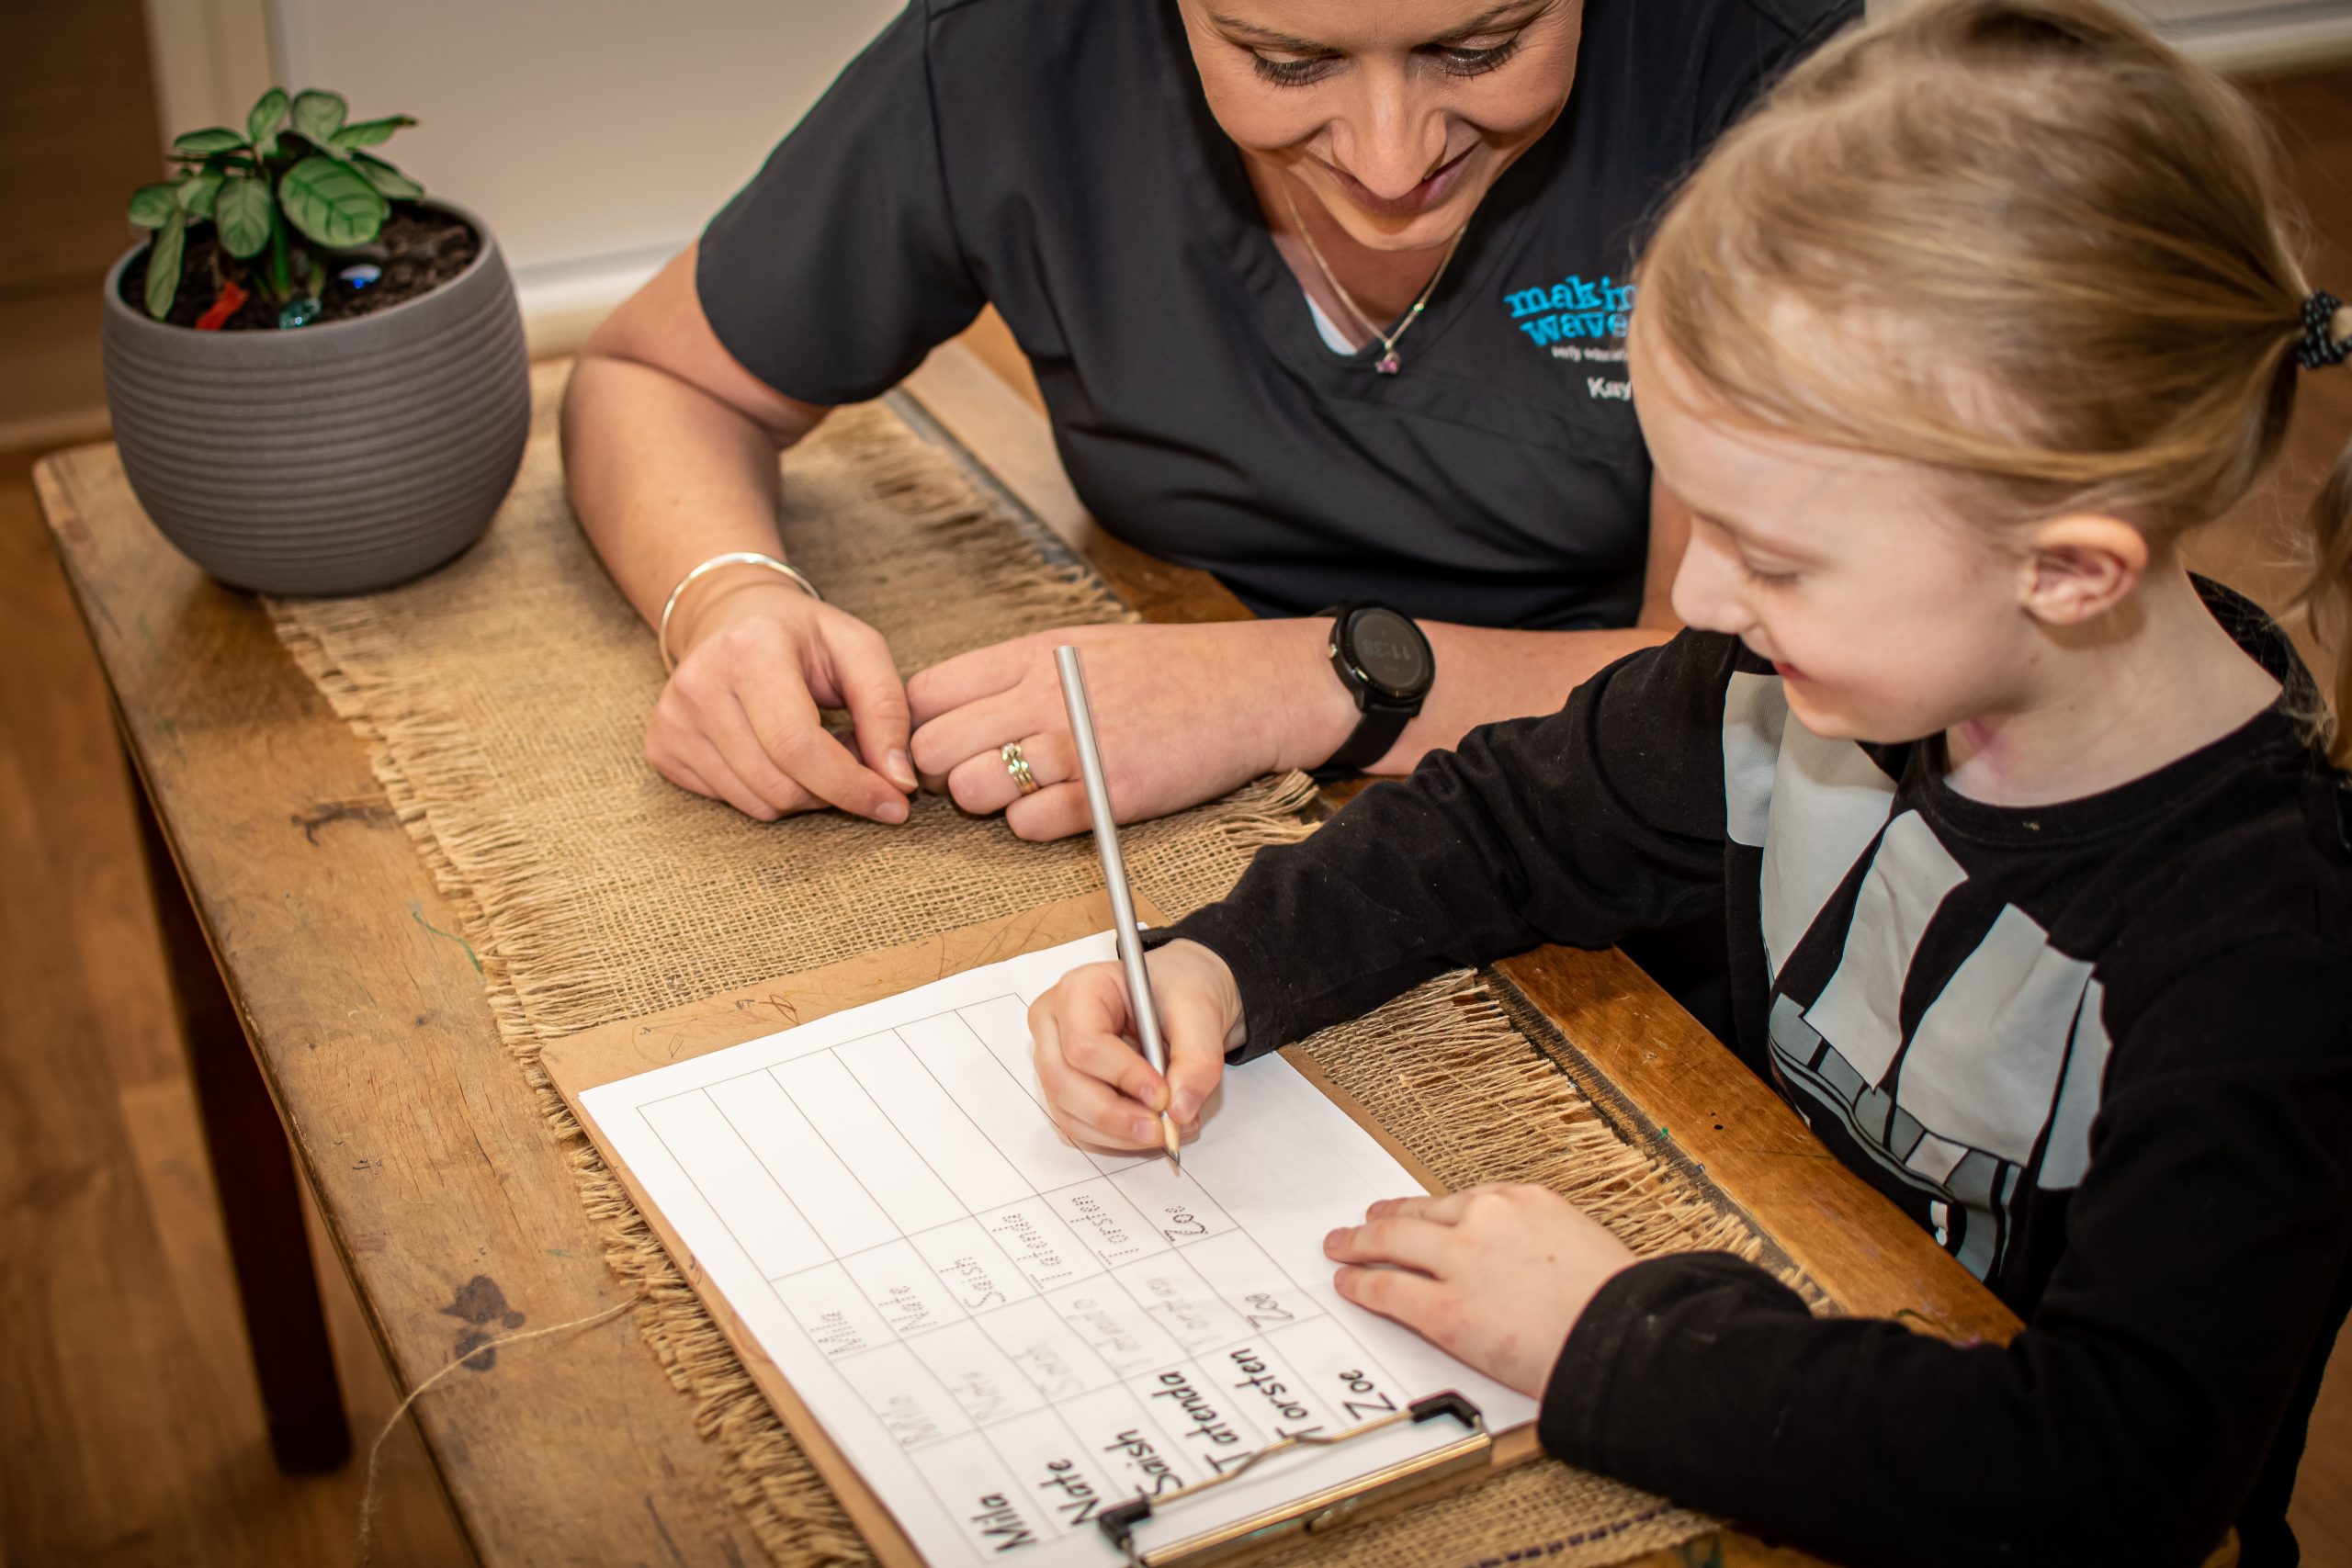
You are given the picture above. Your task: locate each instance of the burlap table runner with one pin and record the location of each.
(503, 701)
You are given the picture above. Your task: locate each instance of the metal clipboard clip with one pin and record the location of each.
(1317, 1510)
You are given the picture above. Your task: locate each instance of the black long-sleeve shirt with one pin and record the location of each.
(2102, 1050)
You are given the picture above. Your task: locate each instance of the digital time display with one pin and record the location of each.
(1389, 650)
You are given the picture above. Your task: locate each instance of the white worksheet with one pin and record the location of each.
(1002, 1330)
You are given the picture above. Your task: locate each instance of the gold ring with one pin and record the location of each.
(1018, 766)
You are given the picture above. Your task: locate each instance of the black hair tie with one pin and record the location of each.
(2318, 345)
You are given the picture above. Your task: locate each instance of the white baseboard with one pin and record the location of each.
(563, 301)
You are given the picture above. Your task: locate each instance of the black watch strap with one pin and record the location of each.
(1374, 733)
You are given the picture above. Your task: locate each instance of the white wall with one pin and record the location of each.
(596, 137)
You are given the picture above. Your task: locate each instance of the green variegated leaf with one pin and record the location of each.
(152, 206)
(198, 143)
(318, 115)
(242, 216)
(385, 178)
(163, 265)
(269, 114)
(369, 132)
(330, 201)
(198, 192)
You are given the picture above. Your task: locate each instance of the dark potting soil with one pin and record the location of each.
(420, 249)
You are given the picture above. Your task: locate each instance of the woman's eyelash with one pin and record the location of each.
(1476, 62)
(1767, 578)
(1455, 61)
(1290, 72)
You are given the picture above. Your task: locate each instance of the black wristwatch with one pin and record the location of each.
(1386, 662)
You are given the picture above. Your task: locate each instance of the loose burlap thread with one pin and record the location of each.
(504, 700)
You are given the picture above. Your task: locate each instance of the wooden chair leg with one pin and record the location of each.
(260, 1205)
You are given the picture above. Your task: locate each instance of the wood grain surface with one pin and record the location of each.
(439, 1188)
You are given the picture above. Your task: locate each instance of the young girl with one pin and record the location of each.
(2038, 873)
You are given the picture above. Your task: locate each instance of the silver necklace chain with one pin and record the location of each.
(1389, 363)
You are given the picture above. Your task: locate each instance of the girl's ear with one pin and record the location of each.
(2079, 567)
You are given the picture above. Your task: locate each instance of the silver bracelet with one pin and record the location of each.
(732, 558)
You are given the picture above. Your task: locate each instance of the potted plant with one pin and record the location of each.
(318, 377)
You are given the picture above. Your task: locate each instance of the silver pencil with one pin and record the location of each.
(1124, 927)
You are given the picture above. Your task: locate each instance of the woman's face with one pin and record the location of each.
(1397, 114)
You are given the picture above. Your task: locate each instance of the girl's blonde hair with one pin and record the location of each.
(2022, 241)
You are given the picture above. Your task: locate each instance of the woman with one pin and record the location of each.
(1322, 297)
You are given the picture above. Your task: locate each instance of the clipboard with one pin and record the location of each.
(612, 1052)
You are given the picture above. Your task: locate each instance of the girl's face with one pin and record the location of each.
(1889, 618)
(1397, 114)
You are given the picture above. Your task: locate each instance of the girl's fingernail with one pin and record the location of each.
(1183, 1105)
(891, 809)
(1331, 1243)
(1144, 1128)
(901, 769)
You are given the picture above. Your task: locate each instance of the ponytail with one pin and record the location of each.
(2325, 339)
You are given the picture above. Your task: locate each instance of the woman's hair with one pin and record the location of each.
(2023, 242)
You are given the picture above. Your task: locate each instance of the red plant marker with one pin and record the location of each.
(221, 308)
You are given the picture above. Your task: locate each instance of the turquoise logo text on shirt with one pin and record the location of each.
(1573, 312)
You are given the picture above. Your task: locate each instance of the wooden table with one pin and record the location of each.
(323, 992)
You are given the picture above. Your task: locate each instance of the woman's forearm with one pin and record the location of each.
(1484, 674)
(662, 475)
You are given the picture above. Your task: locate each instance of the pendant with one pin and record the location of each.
(1388, 364)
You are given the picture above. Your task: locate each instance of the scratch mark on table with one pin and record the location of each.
(372, 812)
(662, 1529)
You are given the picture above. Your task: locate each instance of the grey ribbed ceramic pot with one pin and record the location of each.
(333, 459)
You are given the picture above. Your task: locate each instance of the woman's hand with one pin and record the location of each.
(1099, 1088)
(739, 721)
(1495, 1275)
(1184, 713)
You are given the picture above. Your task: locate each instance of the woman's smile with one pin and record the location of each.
(1431, 194)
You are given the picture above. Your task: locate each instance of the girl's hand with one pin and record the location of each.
(1185, 713)
(739, 721)
(1495, 1275)
(1098, 1089)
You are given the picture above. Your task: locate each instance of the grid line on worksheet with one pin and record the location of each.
(720, 1214)
(1023, 1396)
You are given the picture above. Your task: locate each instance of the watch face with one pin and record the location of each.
(1390, 651)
